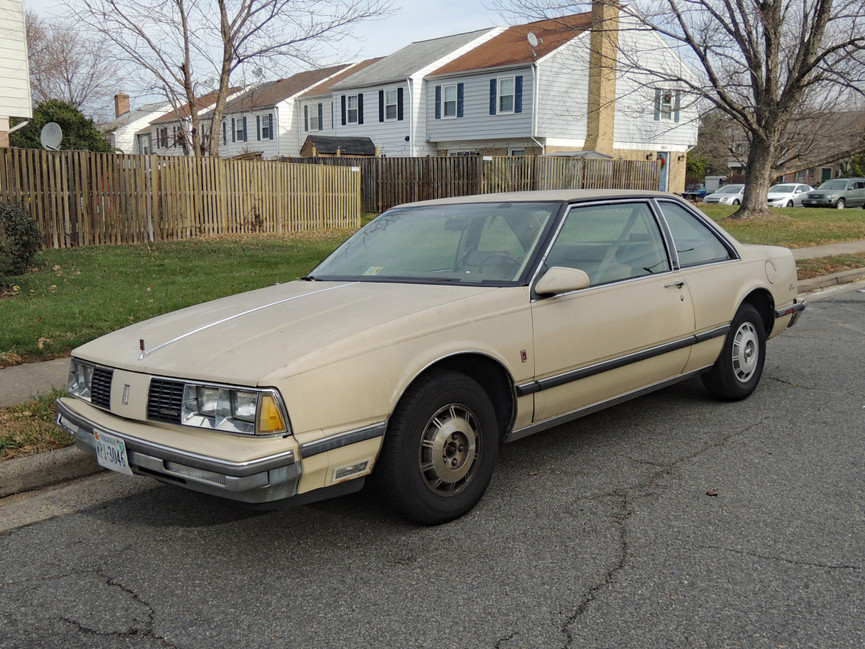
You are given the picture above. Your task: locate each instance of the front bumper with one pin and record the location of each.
(818, 202)
(260, 480)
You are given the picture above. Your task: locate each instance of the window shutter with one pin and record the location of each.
(399, 96)
(657, 104)
(270, 124)
(677, 105)
(258, 128)
(245, 132)
(343, 110)
(460, 95)
(224, 140)
(233, 130)
(518, 94)
(492, 96)
(320, 114)
(360, 108)
(438, 102)
(306, 118)
(381, 105)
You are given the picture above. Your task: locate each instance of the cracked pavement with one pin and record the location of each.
(601, 533)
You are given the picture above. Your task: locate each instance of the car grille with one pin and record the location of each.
(165, 401)
(100, 388)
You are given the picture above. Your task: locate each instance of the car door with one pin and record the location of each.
(622, 333)
(857, 194)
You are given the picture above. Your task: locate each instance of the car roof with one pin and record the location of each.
(553, 195)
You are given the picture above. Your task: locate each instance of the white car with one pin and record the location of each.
(787, 195)
(727, 195)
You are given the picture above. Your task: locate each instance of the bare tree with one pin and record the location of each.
(187, 49)
(764, 63)
(67, 64)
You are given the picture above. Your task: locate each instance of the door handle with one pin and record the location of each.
(678, 284)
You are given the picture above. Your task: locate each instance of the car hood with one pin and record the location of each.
(775, 196)
(244, 338)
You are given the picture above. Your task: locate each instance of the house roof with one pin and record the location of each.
(326, 86)
(137, 113)
(511, 47)
(272, 92)
(183, 112)
(348, 146)
(405, 62)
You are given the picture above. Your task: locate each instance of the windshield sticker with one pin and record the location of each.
(374, 270)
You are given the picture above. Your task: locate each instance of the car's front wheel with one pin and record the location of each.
(735, 201)
(737, 371)
(440, 449)
(840, 205)
(789, 203)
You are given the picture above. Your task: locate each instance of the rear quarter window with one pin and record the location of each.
(696, 243)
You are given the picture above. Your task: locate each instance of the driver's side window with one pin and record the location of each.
(610, 242)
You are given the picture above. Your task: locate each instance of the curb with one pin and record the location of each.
(835, 279)
(45, 470)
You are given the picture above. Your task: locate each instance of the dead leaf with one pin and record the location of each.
(712, 493)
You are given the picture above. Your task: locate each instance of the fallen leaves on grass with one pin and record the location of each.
(29, 428)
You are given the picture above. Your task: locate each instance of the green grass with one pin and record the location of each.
(29, 428)
(78, 294)
(794, 227)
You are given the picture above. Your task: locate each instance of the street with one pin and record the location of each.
(669, 521)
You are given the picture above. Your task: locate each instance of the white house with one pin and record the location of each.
(386, 101)
(123, 133)
(15, 98)
(546, 87)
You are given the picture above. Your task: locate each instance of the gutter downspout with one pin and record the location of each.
(535, 84)
(410, 86)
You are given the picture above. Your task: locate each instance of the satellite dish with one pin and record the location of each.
(51, 136)
(533, 40)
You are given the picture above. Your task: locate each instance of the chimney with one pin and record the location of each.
(601, 117)
(121, 104)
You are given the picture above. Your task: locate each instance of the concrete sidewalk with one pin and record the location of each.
(19, 383)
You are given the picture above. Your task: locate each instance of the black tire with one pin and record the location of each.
(789, 203)
(736, 201)
(841, 204)
(440, 449)
(737, 371)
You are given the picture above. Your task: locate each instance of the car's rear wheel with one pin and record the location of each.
(841, 204)
(737, 371)
(439, 450)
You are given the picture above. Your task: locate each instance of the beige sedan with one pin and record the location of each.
(434, 334)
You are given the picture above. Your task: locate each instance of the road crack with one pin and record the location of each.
(792, 562)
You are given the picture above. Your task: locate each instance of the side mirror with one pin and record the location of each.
(559, 279)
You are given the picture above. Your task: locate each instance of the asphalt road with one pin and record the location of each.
(595, 534)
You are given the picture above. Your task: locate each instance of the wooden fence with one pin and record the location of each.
(390, 181)
(83, 198)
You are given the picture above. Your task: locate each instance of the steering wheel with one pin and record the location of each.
(504, 259)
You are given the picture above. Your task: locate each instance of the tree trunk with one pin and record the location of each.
(759, 172)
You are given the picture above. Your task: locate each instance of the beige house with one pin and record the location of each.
(14, 69)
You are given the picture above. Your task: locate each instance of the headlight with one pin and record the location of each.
(831, 195)
(234, 410)
(80, 379)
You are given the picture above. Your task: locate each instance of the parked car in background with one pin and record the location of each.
(695, 192)
(727, 195)
(434, 334)
(838, 193)
(787, 195)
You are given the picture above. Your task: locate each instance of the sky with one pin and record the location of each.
(414, 20)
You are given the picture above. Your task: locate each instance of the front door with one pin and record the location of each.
(664, 157)
(621, 333)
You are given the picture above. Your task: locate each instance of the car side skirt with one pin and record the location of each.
(615, 363)
(601, 405)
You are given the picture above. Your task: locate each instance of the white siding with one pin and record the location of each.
(14, 68)
(563, 92)
(255, 141)
(123, 137)
(389, 135)
(477, 124)
(328, 117)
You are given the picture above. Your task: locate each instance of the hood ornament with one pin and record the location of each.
(141, 347)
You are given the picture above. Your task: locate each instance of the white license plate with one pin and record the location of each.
(111, 453)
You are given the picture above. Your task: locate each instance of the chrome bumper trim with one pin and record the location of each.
(83, 429)
(795, 309)
(343, 439)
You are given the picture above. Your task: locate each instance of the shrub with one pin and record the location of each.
(20, 240)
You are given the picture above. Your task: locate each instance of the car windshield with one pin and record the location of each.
(731, 189)
(782, 189)
(834, 184)
(475, 243)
